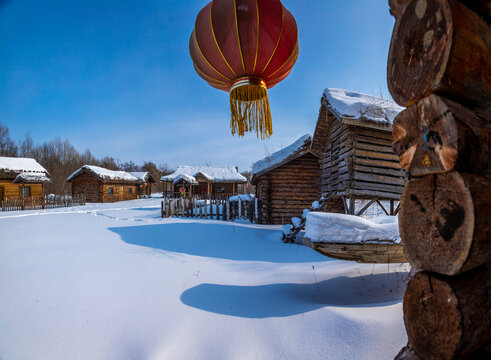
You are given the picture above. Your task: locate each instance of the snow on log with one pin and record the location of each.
(211, 173)
(349, 237)
(104, 174)
(444, 222)
(17, 164)
(354, 105)
(342, 228)
(31, 177)
(280, 157)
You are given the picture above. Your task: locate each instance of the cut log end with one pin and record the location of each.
(419, 50)
(441, 46)
(424, 303)
(448, 317)
(444, 222)
(437, 135)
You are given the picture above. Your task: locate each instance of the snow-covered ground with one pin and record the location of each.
(114, 281)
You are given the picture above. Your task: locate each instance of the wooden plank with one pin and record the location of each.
(389, 180)
(375, 155)
(362, 253)
(379, 163)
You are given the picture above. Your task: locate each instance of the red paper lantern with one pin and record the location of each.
(245, 47)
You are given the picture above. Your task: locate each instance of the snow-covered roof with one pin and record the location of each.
(140, 175)
(17, 164)
(342, 228)
(187, 178)
(242, 197)
(358, 106)
(211, 173)
(31, 177)
(104, 174)
(282, 156)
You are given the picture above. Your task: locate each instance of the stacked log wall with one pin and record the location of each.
(360, 162)
(441, 50)
(374, 169)
(289, 189)
(87, 185)
(120, 192)
(11, 190)
(337, 152)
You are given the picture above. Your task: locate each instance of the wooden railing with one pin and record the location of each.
(37, 203)
(213, 207)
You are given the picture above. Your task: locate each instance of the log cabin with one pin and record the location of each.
(287, 182)
(210, 180)
(145, 180)
(98, 184)
(353, 134)
(21, 178)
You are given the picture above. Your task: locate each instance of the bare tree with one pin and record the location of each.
(129, 166)
(165, 169)
(7, 146)
(155, 172)
(27, 148)
(108, 162)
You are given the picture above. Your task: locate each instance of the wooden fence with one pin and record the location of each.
(37, 203)
(213, 208)
(178, 195)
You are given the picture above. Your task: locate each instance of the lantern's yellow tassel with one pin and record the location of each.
(250, 110)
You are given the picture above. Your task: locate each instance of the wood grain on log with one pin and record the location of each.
(437, 135)
(397, 7)
(448, 317)
(440, 46)
(481, 7)
(444, 222)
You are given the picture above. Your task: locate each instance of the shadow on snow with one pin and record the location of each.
(218, 241)
(280, 300)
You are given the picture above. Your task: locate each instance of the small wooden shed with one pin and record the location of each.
(354, 135)
(145, 181)
(287, 182)
(210, 180)
(98, 184)
(21, 178)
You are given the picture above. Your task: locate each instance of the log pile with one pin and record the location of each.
(439, 67)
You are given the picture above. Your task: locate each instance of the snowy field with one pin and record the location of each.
(114, 281)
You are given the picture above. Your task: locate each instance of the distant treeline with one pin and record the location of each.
(61, 159)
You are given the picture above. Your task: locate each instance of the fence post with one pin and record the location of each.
(256, 215)
(227, 210)
(162, 209)
(240, 208)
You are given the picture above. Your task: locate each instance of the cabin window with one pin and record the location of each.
(110, 191)
(221, 189)
(130, 191)
(25, 191)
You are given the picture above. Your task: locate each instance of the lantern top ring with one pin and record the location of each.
(248, 80)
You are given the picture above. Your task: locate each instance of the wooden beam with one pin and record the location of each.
(366, 207)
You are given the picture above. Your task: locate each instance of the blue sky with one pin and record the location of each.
(115, 76)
